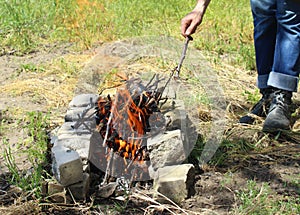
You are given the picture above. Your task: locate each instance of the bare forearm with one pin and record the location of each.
(201, 6)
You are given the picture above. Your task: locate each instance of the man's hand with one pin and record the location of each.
(190, 23)
(192, 20)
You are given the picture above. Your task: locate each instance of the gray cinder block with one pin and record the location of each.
(66, 165)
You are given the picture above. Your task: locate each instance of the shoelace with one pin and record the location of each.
(280, 101)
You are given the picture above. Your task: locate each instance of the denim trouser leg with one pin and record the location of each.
(277, 42)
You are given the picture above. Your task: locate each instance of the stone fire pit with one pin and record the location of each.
(76, 145)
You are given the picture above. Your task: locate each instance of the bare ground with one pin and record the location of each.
(276, 162)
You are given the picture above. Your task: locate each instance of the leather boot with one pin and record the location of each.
(279, 114)
(261, 107)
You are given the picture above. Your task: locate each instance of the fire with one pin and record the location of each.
(123, 121)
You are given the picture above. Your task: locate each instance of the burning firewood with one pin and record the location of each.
(125, 120)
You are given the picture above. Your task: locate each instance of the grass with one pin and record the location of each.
(252, 97)
(259, 199)
(34, 147)
(24, 22)
(227, 29)
(30, 67)
(35, 80)
(26, 25)
(228, 150)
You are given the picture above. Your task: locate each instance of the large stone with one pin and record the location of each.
(54, 187)
(175, 114)
(83, 100)
(55, 191)
(170, 91)
(166, 149)
(97, 152)
(80, 190)
(66, 165)
(176, 182)
(107, 190)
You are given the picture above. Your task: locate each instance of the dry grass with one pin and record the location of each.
(27, 207)
(54, 87)
(38, 89)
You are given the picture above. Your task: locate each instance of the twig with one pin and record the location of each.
(139, 151)
(256, 199)
(71, 194)
(109, 121)
(260, 192)
(147, 198)
(147, 85)
(108, 166)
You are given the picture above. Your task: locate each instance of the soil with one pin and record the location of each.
(217, 186)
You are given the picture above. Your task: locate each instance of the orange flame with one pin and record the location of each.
(128, 123)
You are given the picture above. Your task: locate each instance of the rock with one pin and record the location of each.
(77, 143)
(107, 190)
(54, 187)
(55, 191)
(83, 100)
(85, 127)
(53, 139)
(170, 91)
(166, 149)
(77, 139)
(177, 117)
(97, 152)
(75, 113)
(66, 165)
(152, 173)
(80, 190)
(176, 182)
(175, 114)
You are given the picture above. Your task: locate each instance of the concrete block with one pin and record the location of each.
(176, 182)
(85, 127)
(80, 190)
(75, 113)
(78, 143)
(66, 165)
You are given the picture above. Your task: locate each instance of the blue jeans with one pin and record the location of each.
(277, 43)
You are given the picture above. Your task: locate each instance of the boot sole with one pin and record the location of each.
(275, 130)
